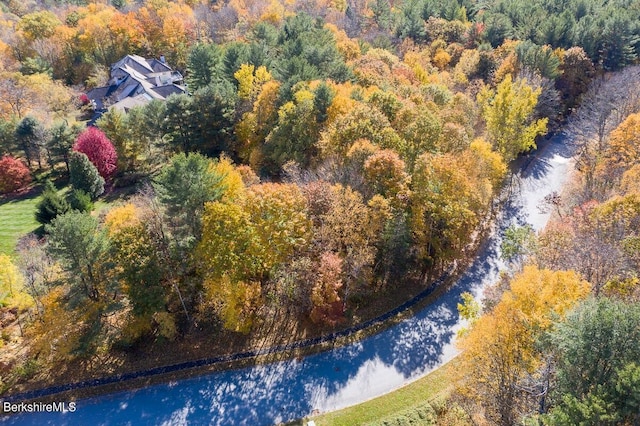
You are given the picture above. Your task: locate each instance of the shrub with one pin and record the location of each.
(51, 205)
(81, 201)
(28, 369)
(14, 175)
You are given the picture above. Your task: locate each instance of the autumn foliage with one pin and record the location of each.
(100, 151)
(330, 158)
(328, 307)
(14, 175)
(500, 351)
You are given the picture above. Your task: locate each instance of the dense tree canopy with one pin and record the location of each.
(597, 349)
(325, 158)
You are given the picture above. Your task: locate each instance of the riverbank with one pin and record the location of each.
(422, 399)
(204, 351)
(276, 392)
(145, 371)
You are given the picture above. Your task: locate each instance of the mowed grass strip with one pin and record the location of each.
(17, 215)
(406, 398)
(16, 219)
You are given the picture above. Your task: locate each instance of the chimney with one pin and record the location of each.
(162, 59)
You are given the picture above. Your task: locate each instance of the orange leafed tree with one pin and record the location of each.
(499, 352)
(327, 304)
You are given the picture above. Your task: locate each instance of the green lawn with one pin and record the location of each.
(17, 219)
(408, 401)
(17, 215)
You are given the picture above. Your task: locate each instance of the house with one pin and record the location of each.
(136, 81)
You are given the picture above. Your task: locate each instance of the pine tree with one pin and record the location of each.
(84, 175)
(202, 65)
(51, 204)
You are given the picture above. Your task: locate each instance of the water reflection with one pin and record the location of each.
(278, 392)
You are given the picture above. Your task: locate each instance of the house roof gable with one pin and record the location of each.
(135, 62)
(159, 66)
(135, 77)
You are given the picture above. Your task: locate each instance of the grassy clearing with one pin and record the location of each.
(17, 219)
(17, 214)
(410, 399)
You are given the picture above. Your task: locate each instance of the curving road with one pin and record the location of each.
(283, 391)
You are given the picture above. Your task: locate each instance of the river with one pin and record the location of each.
(283, 391)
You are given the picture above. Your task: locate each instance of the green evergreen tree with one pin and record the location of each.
(323, 96)
(381, 13)
(80, 201)
(30, 137)
(213, 109)
(178, 124)
(84, 176)
(235, 54)
(539, 59)
(202, 65)
(8, 137)
(412, 23)
(51, 205)
(77, 242)
(308, 52)
(61, 139)
(184, 186)
(598, 378)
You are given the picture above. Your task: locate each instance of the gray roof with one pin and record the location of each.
(136, 62)
(168, 90)
(159, 66)
(136, 76)
(99, 93)
(127, 103)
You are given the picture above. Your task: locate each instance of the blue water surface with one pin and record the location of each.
(283, 391)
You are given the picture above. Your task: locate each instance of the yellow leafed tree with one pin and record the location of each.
(623, 151)
(499, 352)
(235, 302)
(231, 185)
(508, 113)
(243, 240)
(12, 292)
(250, 80)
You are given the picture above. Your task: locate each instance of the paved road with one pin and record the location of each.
(282, 391)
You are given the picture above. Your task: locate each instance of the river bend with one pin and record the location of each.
(283, 391)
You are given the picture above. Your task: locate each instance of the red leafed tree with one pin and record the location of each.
(98, 148)
(14, 174)
(327, 304)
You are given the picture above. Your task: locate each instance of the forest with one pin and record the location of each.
(329, 158)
